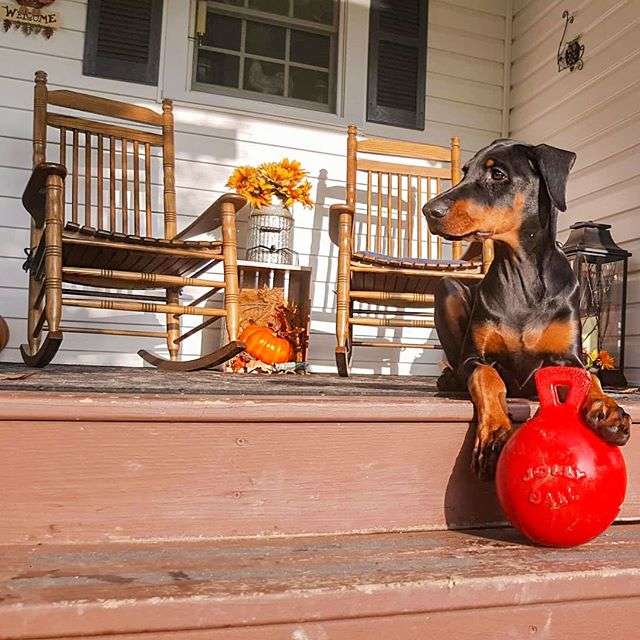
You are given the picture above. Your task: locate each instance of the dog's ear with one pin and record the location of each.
(554, 165)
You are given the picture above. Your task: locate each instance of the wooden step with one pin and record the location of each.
(475, 584)
(101, 467)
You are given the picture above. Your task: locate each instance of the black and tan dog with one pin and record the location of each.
(524, 313)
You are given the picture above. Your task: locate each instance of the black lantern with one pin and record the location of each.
(601, 268)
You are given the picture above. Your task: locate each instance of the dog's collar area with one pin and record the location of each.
(480, 235)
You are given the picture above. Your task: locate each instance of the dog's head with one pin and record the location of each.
(506, 186)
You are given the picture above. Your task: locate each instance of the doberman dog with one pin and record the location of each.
(524, 314)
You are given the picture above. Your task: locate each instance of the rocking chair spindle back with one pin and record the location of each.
(115, 225)
(107, 184)
(388, 259)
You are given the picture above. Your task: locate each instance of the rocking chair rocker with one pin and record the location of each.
(114, 247)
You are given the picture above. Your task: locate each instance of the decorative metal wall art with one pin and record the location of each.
(27, 16)
(570, 53)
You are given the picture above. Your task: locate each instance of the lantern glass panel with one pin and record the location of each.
(601, 282)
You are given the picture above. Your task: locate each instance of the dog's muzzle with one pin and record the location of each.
(435, 210)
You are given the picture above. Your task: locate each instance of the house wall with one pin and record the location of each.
(594, 112)
(465, 84)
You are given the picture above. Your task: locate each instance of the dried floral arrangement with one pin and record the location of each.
(285, 180)
(267, 308)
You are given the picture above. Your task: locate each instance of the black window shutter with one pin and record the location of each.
(122, 40)
(397, 74)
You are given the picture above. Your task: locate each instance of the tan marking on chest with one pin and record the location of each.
(491, 338)
(556, 338)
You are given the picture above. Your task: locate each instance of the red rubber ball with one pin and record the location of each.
(558, 482)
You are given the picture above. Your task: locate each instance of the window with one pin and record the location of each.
(397, 74)
(275, 50)
(122, 40)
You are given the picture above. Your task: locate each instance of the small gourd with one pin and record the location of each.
(263, 344)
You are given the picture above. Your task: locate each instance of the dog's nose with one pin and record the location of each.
(435, 209)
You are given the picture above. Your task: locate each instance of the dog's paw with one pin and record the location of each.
(491, 435)
(608, 420)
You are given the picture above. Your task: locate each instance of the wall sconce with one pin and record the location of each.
(570, 53)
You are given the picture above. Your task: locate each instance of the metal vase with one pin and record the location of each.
(270, 236)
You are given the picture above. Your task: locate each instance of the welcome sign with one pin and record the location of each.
(27, 15)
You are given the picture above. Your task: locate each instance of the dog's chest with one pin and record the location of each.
(553, 338)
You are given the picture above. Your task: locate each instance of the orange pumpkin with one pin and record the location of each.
(264, 345)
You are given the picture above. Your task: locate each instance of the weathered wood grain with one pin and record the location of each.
(592, 620)
(387, 586)
(100, 467)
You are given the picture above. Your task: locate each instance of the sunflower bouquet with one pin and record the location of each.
(285, 180)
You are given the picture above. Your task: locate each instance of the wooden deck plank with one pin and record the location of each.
(587, 620)
(141, 381)
(87, 480)
(169, 407)
(53, 591)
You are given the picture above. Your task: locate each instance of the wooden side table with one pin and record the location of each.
(295, 281)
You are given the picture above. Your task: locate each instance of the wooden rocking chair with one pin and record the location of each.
(114, 247)
(387, 258)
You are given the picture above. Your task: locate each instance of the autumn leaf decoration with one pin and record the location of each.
(285, 180)
(600, 360)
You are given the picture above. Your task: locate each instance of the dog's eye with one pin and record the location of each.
(498, 174)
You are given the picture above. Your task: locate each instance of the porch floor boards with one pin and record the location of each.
(389, 585)
(140, 380)
(143, 505)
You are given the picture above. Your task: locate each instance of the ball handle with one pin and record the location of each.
(548, 379)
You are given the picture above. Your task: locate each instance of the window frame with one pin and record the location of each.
(334, 31)
(228, 111)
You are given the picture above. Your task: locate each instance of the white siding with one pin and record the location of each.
(594, 112)
(214, 134)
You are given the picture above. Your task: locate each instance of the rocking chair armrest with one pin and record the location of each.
(335, 213)
(35, 193)
(211, 218)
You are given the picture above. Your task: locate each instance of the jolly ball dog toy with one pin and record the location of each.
(557, 481)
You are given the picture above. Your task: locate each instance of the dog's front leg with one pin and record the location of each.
(603, 414)
(489, 396)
